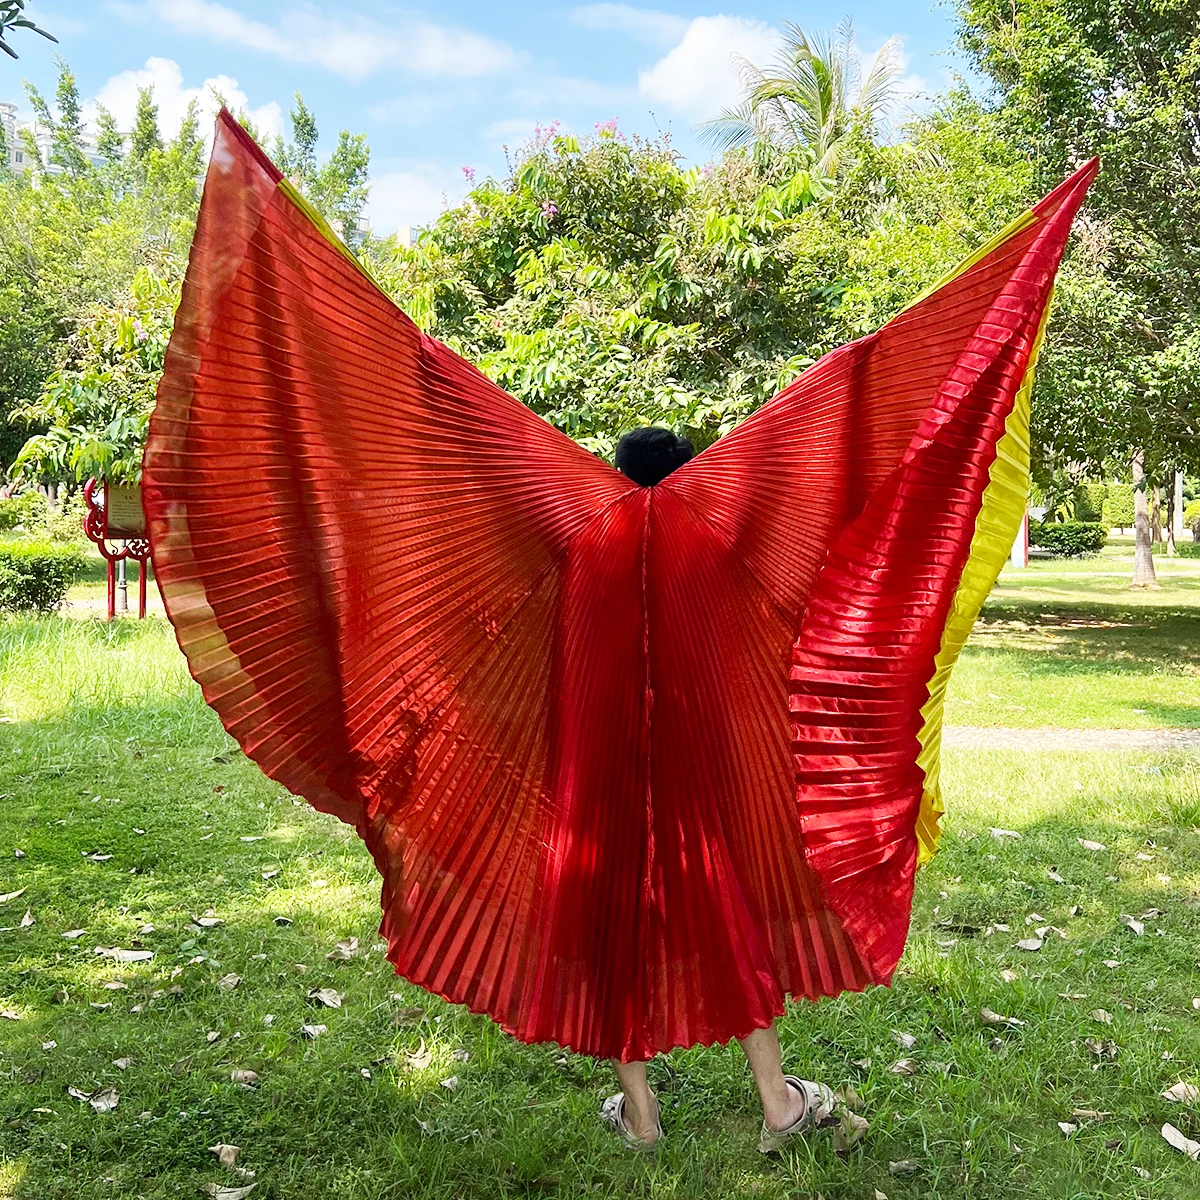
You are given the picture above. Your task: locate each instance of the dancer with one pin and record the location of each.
(636, 761)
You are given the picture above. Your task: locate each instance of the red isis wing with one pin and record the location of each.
(554, 704)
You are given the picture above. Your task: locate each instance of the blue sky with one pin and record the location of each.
(437, 87)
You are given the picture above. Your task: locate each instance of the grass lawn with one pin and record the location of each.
(134, 810)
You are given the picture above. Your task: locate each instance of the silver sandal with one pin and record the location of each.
(612, 1113)
(819, 1107)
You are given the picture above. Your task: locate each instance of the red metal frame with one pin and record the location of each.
(96, 528)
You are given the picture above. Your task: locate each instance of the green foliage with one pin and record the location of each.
(1191, 515)
(1117, 509)
(1080, 77)
(24, 511)
(813, 97)
(1089, 501)
(607, 287)
(338, 187)
(35, 576)
(97, 405)
(12, 16)
(1068, 539)
(91, 263)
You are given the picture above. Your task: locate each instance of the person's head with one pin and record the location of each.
(649, 455)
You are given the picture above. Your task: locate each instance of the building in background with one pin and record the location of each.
(21, 137)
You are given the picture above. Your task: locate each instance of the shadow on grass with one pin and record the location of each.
(520, 1121)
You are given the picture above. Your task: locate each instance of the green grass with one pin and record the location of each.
(105, 735)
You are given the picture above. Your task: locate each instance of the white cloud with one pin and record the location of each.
(413, 108)
(120, 95)
(644, 24)
(348, 45)
(698, 77)
(412, 193)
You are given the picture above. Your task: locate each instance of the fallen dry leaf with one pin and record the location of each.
(50, 1045)
(1180, 1141)
(122, 1064)
(1101, 1049)
(219, 1192)
(326, 996)
(1089, 1114)
(1182, 1093)
(245, 1078)
(1133, 923)
(313, 1031)
(450, 1084)
(407, 1016)
(120, 955)
(987, 1017)
(344, 951)
(1009, 976)
(1031, 944)
(1001, 834)
(229, 982)
(11, 895)
(212, 1035)
(27, 919)
(461, 1056)
(72, 934)
(226, 1153)
(102, 1099)
(1067, 1128)
(208, 922)
(10, 1014)
(905, 1041)
(1055, 876)
(1101, 1015)
(851, 1129)
(418, 1059)
(905, 1166)
(1090, 845)
(903, 1066)
(270, 873)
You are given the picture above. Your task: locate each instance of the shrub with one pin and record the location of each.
(1068, 539)
(1089, 502)
(65, 524)
(25, 510)
(1191, 515)
(35, 576)
(1188, 549)
(1118, 505)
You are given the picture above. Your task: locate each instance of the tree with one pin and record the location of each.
(145, 139)
(91, 262)
(12, 16)
(606, 286)
(1121, 79)
(338, 187)
(811, 96)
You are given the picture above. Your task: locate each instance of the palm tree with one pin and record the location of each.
(807, 97)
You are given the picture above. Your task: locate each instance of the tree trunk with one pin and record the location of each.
(1143, 561)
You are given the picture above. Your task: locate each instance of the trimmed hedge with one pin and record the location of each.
(1118, 504)
(1068, 539)
(35, 576)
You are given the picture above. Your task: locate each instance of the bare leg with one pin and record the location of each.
(641, 1108)
(782, 1105)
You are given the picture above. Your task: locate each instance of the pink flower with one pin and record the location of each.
(549, 209)
(469, 172)
(607, 128)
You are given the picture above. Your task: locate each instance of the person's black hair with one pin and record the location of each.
(649, 455)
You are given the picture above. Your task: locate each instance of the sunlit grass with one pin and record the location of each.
(105, 735)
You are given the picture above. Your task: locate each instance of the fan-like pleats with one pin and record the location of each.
(554, 704)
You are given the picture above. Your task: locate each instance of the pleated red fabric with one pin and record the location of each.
(634, 763)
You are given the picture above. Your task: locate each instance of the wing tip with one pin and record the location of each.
(228, 124)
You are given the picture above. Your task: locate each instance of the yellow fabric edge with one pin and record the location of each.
(1014, 227)
(290, 190)
(999, 519)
